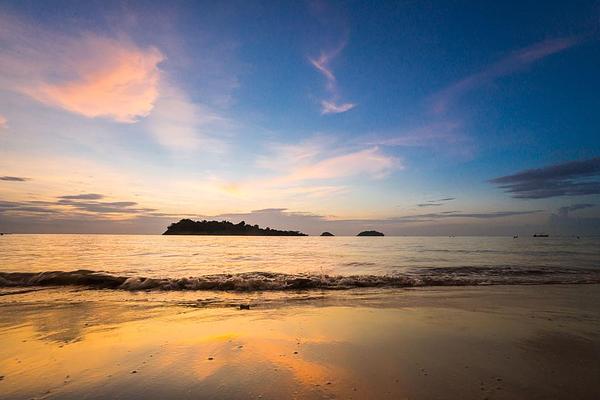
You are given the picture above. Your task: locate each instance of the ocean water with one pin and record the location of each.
(241, 263)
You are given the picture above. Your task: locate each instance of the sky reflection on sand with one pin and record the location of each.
(469, 343)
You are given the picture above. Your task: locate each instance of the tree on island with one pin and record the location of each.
(370, 233)
(327, 234)
(189, 227)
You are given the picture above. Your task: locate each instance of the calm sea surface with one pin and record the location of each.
(405, 261)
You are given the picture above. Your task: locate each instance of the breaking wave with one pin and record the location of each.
(259, 281)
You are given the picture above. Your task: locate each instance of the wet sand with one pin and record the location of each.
(502, 342)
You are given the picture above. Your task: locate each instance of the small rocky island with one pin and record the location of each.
(189, 227)
(370, 233)
(327, 234)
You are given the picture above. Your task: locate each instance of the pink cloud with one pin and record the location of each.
(511, 63)
(90, 75)
(370, 162)
(3, 122)
(116, 81)
(322, 65)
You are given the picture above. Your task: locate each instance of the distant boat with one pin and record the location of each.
(515, 236)
(540, 235)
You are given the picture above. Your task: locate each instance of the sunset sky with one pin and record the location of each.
(409, 117)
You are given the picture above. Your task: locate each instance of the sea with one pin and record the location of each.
(254, 263)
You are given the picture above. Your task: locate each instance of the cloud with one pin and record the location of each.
(13, 178)
(321, 64)
(564, 223)
(435, 134)
(313, 160)
(436, 203)
(457, 214)
(564, 211)
(369, 161)
(73, 205)
(575, 178)
(513, 62)
(181, 125)
(3, 122)
(86, 196)
(329, 107)
(445, 137)
(86, 74)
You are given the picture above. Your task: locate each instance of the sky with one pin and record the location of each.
(408, 117)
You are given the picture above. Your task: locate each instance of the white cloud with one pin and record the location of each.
(181, 125)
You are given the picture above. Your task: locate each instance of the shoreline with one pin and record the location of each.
(495, 342)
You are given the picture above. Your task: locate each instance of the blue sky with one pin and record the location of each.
(306, 115)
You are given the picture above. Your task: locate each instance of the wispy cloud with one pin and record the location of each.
(322, 64)
(330, 107)
(436, 203)
(370, 162)
(445, 137)
(3, 122)
(314, 160)
(13, 179)
(564, 211)
(182, 125)
(433, 134)
(575, 178)
(458, 214)
(85, 196)
(86, 74)
(511, 63)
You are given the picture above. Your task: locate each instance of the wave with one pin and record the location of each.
(260, 281)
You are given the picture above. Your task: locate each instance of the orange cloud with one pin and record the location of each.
(122, 86)
(88, 74)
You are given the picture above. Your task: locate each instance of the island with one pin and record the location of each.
(370, 233)
(327, 234)
(189, 227)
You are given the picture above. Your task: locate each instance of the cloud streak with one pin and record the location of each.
(513, 62)
(322, 64)
(85, 196)
(436, 203)
(575, 178)
(13, 179)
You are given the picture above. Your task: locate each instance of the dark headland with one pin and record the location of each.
(327, 234)
(370, 233)
(189, 227)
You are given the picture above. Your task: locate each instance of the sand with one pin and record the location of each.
(502, 342)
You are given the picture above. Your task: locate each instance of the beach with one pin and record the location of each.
(496, 342)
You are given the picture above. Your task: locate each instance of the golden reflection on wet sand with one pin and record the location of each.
(500, 343)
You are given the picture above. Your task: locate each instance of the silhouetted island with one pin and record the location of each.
(327, 234)
(189, 227)
(370, 233)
